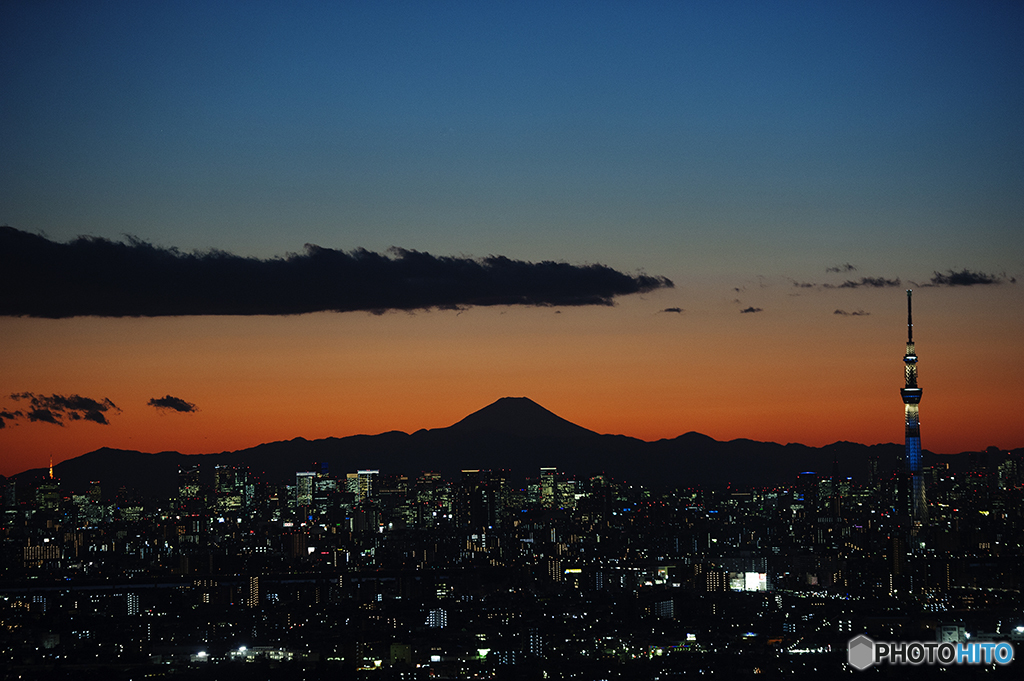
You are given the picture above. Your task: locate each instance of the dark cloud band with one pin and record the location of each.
(57, 409)
(97, 277)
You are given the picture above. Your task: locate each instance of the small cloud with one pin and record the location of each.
(845, 267)
(751, 309)
(6, 416)
(965, 277)
(857, 313)
(172, 403)
(870, 282)
(58, 408)
(677, 310)
(803, 284)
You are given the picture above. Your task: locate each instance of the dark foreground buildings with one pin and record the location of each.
(375, 575)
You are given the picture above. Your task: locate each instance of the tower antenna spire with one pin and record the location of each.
(910, 317)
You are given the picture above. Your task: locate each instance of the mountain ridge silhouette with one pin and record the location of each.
(513, 433)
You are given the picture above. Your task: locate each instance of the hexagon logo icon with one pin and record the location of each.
(861, 652)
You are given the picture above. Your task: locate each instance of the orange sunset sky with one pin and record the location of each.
(799, 374)
(792, 170)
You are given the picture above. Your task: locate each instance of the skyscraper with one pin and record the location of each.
(917, 505)
(189, 498)
(549, 487)
(367, 484)
(229, 484)
(304, 488)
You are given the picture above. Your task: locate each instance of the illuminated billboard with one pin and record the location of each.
(748, 581)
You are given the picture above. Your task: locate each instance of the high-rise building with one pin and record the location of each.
(916, 505)
(367, 481)
(432, 500)
(253, 601)
(437, 618)
(304, 488)
(230, 483)
(48, 494)
(482, 498)
(549, 487)
(189, 496)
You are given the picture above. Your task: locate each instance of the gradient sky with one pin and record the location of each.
(742, 149)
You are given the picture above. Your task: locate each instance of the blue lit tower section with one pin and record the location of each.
(911, 395)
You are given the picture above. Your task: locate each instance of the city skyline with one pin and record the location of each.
(375, 575)
(791, 169)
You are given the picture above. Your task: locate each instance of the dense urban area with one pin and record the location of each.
(377, 575)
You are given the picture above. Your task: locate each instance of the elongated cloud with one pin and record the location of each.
(750, 310)
(869, 282)
(97, 277)
(172, 403)
(57, 409)
(965, 277)
(855, 313)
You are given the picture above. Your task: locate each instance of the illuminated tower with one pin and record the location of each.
(918, 505)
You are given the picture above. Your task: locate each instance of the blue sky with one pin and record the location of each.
(533, 130)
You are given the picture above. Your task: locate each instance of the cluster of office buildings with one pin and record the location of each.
(389, 576)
